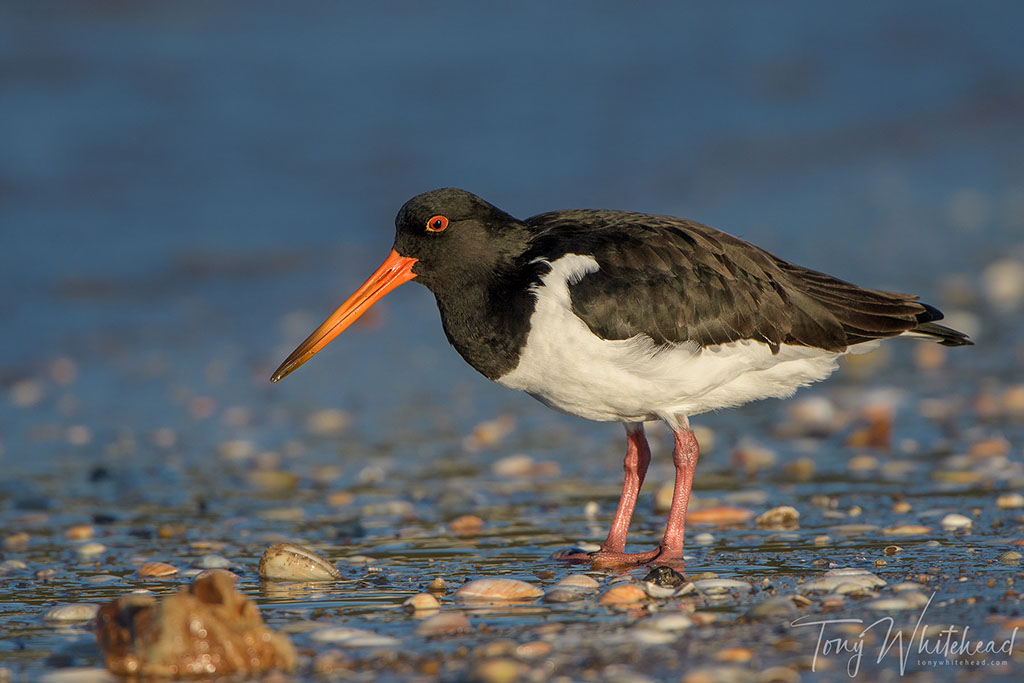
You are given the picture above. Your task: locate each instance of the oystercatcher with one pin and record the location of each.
(627, 317)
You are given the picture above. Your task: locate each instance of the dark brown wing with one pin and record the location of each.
(675, 280)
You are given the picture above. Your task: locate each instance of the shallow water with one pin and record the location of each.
(187, 191)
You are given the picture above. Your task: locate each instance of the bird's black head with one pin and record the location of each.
(448, 240)
(456, 236)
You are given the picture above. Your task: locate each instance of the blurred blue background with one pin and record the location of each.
(187, 188)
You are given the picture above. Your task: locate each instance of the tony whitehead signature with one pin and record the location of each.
(950, 644)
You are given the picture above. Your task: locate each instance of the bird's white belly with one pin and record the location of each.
(569, 368)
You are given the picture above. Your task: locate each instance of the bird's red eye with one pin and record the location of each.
(437, 224)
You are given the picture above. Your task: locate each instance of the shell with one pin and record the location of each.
(157, 570)
(290, 562)
(497, 590)
(624, 594)
(421, 602)
(446, 624)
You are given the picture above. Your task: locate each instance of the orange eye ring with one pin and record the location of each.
(437, 224)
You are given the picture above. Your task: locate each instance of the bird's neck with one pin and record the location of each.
(487, 321)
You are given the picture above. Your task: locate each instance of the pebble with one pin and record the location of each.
(79, 532)
(438, 585)
(352, 637)
(79, 674)
(489, 433)
(497, 590)
(752, 457)
(16, 542)
(157, 570)
(907, 530)
(720, 586)
(498, 670)
(420, 603)
(1003, 283)
(79, 611)
(213, 561)
(444, 624)
(328, 422)
(907, 600)
(624, 594)
(734, 654)
(665, 577)
(91, 549)
(669, 621)
(466, 525)
(719, 514)
(782, 517)
(521, 465)
(777, 606)
(835, 578)
(1009, 501)
(273, 480)
(955, 521)
(704, 538)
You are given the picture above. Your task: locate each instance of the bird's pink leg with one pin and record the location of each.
(670, 550)
(684, 457)
(638, 457)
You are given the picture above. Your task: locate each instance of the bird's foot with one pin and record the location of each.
(604, 557)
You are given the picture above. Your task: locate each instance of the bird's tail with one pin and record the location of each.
(927, 328)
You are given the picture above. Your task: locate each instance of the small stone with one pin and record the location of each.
(669, 621)
(273, 480)
(752, 457)
(833, 579)
(26, 393)
(237, 450)
(157, 570)
(720, 586)
(1003, 283)
(719, 515)
(80, 611)
(213, 561)
(290, 562)
(591, 510)
(498, 670)
(497, 590)
(566, 594)
(340, 498)
(823, 539)
(955, 521)
(907, 530)
(91, 549)
(891, 550)
(421, 602)
(777, 606)
(704, 538)
(533, 649)
(444, 624)
(1010, 501)
(665, 576)
(343, 636)
(16, 542)
(519, 465)
(801, 469)
(466, 525)
(989, 448)
(862, 463)
(79, 532)
(327, 422)
(782, 517)
(623, 594)
(489, 433)
(734, 654)
(901, 507)
(438, 585)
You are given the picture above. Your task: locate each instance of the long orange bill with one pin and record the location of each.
(395, 270)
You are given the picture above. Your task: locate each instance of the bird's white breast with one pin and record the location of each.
(569, 368)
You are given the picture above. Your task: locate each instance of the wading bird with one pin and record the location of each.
(627, 317)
